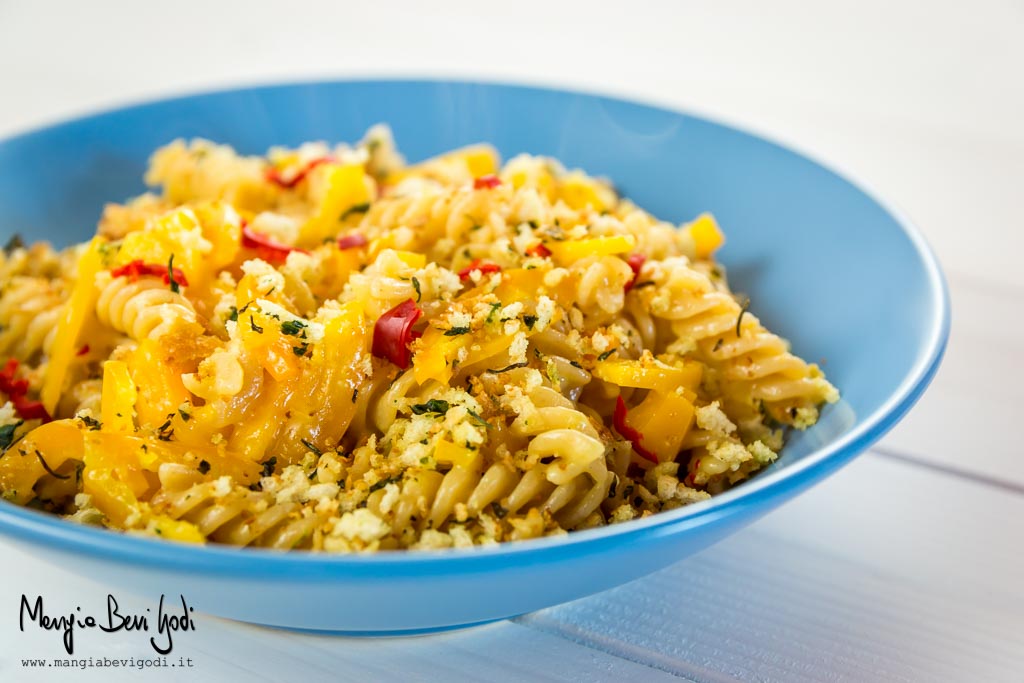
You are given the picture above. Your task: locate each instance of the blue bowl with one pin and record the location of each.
(847, 279)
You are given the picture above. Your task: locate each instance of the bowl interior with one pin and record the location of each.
(825, 265)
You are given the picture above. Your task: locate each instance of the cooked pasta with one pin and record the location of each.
(333, 350)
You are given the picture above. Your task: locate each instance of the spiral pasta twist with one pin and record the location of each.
(145, 308)
(29, 310)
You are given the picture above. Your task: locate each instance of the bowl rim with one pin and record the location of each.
(40, 528)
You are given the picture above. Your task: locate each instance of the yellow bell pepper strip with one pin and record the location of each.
(707, 236)
(663, 421)
(118, 398)
(570, 251)
(649, 374)
(478, 160)
(457, 456)
(80, 307)
(160, 389)
(579, 191)
(348, 188)
(43, 450)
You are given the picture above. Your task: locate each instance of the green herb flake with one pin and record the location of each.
(269, 465)
(255, 328)
(91, 422)
(498, 371)
(416, 286)
(352, 210)
(384, 482)
(293, 327)
(479, 420)
(7, 434)
(456, 331)
(185, 415)
(312, 447)
(300, 350)
(739, 320)
(530, 321)
(204, 467)
(607, 354)
(16, 242)
(434, 405)
(233, 316)
(170, 275)
(494, 309)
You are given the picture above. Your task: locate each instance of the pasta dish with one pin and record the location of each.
(331, 349)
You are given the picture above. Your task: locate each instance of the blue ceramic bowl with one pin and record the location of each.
(846, 278)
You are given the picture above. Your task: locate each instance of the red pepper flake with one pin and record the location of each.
(486, 182)
(689, 480)
(636, 262)
(392, 333)
(16, 389)
(632, 435)
(269, 249)
(82, 351)
(352, 241)
(136, 269)
(538, 250)
(483, 266)
(273, 175)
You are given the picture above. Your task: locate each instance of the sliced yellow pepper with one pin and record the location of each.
(707, 236)
(433, 356)
(22, 466)
(570, 251)
(118, 398)
(457, 456)
(652, 374)
(159, 383)
(347, 186)
(579, 191)
(663, 420)
(80, 307)
(176, 529)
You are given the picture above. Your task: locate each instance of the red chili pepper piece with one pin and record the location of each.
(273, 175)
(135, 269)
(352, 241)
(269, 249)
(392, 333)
(30, 410)
(82, 351)
(486, 182)
(636, 262)
(632, 435)
(483, 266)
(16, 389)
(538, 250)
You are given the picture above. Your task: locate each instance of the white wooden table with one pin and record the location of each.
(907, 565)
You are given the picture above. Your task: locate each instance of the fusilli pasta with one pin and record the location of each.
(330, 349)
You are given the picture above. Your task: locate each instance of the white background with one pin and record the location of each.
(906, 564)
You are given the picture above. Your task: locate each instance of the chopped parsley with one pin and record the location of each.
(292, 327)
(7, 434)
(494, 309)
(530, 320)
(234, 313)
(16, 242)
(255, 328)
(416, 286)
(185, 415)
(48, 469)
(301, 349)
(456, 331)
(91, 422)
(384, 482)
(204, 467)
(434, 405)
(739, 320)
(175, 287)
(607, 354)
(358, 208)
(269, 465)
(509, 367)
(479, 420)
(312, 447)
(499, 511)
